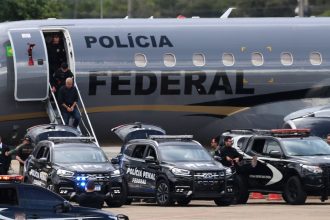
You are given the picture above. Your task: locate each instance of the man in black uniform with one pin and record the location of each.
(5, 160)
(68, 99)
(229, 155)
(22, 152)
(90, 198)
(56, 54)
(60, 76)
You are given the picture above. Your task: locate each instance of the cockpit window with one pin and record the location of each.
(184, 153)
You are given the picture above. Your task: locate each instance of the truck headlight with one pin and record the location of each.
(115, 173)
(229, 172)
(180, 172)
(313, 169)
(64, 173)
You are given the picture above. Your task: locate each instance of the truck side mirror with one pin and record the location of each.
(115, 160)
(150, 159)
(275, 154)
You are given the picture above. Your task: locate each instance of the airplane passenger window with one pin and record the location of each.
(228, 59)
(169, 60)
(140, 60)
(199, 59)
(286, 59)
(257, 59)
(315, 58)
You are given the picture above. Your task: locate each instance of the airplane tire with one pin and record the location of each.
(294, 193)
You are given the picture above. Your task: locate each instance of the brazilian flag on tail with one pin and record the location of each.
(9, 51)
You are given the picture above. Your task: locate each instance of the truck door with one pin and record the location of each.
(30, 64)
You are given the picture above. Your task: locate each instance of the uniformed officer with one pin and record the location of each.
(229, 155)
(215, 147)
(22, 152)
(90, 198)
(60, 76)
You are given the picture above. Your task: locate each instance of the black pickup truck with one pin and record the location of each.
(290, 162)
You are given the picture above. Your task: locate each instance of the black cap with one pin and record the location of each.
(90, 185)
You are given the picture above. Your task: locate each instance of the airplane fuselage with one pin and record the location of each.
(190, 76)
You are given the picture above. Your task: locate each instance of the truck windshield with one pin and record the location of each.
(306, 147)
(79, 155)
(191, 153)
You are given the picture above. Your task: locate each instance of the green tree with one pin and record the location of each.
(13, 10)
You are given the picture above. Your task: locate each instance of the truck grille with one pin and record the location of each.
(208, 180)
(95, 176)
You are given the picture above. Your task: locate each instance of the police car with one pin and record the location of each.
(64, 164)
(173, 169)
(26, 201)
(289, 162)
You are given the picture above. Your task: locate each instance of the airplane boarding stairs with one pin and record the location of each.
(55, 116)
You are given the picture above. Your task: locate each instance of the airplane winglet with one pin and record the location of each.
(227, 13)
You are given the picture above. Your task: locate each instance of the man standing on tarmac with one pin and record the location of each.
(22, 152)
(215, 147)
(229, 155)
(5, 160)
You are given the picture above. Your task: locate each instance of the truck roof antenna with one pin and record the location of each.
(227, 13)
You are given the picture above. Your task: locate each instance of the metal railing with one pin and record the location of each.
(90, 129)
(82, 111)
(50, 107)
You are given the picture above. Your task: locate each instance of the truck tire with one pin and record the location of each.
(226, 201)
(114, 203)
(120, 201)
(241, 193)
(163, 193)
(294, 193)
(183, 201)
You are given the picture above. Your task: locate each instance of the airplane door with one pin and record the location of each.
(30, 64)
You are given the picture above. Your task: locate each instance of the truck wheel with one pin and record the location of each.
(183, 201)
(114, 203)
(163, 194)
(241, 193)
(226, 201)
(294, 193)
(119, 201)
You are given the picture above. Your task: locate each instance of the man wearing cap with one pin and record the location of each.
(22, 152)
(56, 53)
(90, 198)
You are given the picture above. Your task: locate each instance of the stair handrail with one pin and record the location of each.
(86, 115)
(56, 104)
